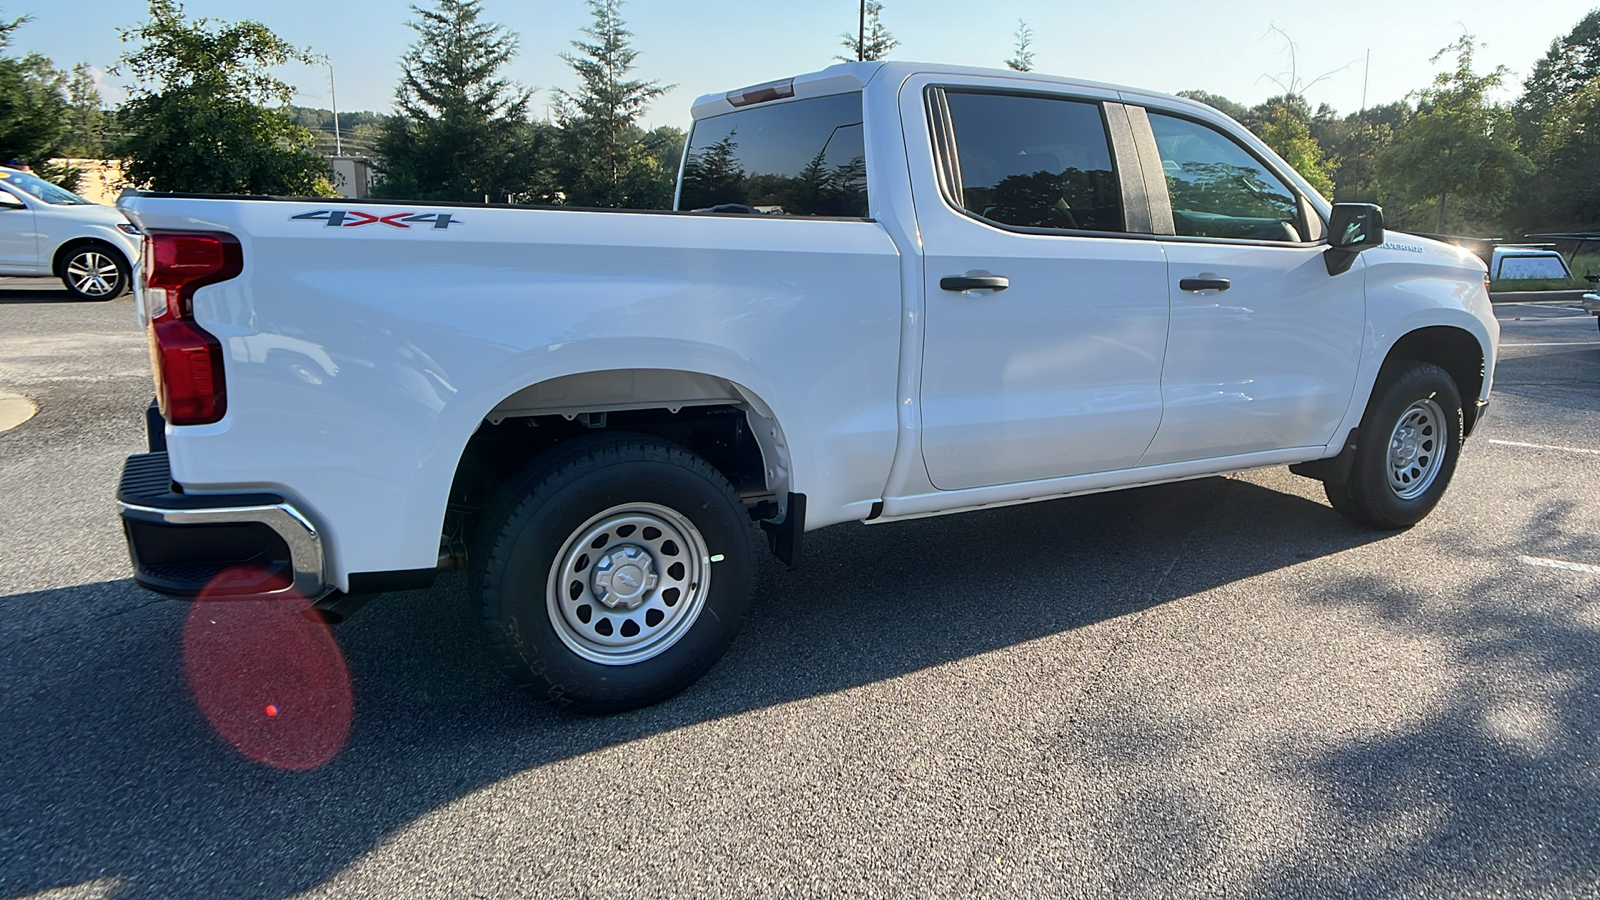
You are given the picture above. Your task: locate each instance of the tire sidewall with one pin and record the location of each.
(123, 274)
(1416, 382)
(541, 525)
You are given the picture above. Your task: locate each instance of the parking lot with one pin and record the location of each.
(1219, 686)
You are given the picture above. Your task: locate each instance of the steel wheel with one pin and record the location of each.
(1416, 449)
(627, 584)
(93, 273)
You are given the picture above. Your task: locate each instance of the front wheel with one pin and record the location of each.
(1406, 450)
(615, 573)
(94, 272)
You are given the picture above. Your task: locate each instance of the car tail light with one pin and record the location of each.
(186, 358)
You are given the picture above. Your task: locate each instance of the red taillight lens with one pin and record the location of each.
(187, 359)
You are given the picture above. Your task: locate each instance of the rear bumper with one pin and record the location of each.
(239, 544)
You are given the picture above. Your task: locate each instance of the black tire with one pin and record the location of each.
(535, 527)
(1370, 495)
(85, 270)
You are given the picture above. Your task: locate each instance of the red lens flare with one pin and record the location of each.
(271, 681)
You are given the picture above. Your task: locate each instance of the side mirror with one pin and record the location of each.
(1354, 227)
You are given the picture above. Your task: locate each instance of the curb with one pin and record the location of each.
(14, 410)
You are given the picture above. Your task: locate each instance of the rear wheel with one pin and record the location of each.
(615, 573)
(1406, 450)
(94, 272)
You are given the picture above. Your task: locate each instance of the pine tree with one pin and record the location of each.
(875, 44)
(460, 130)
(1022, 61)
(88, 117)
(606, 158)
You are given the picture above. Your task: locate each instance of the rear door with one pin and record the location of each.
(1264, 343)
(1045, 308)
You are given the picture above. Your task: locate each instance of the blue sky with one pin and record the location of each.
(717, 45)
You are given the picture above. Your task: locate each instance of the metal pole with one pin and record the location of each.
(1367, 73)
(861, 35)
(338, 140)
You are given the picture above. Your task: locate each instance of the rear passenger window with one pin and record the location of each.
(802, 158)
(1036, 162)
(1218, 189)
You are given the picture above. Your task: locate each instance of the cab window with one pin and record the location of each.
(1035, 162)
(1218, 189)
(802, 158)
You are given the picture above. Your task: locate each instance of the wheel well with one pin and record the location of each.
(60, 258)
(711, 418)
(1452, 349)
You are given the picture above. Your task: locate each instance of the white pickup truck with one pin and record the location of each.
(888, 291)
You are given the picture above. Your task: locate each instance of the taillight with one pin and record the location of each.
(186, 358)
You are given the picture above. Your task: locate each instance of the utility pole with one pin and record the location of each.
(1366, 74)
(338, 140)
(861, 34)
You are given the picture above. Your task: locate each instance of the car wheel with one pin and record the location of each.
(1406, 450)
(94, 272)
(615, 573)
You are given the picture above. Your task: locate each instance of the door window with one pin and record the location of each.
(1220, 190)
(1035, 162)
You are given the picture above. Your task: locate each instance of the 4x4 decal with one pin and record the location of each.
(354, 218)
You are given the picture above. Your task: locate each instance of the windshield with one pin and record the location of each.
(35, 186)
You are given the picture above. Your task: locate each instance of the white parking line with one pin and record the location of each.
(1552, 344)
(1558, 564)
(1545, 447)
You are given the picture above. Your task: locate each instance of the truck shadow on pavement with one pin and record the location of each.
(113, 777)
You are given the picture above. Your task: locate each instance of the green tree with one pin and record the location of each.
(460, 129)
(206, 113)
(87, 117)
(1572, 63)
(605, 158)
(1236, 111)
(1564, 192)
(1458, 145)
(1355, 143)
(35, 120)
(1022, 59)
(874, 44)
(1288, 132)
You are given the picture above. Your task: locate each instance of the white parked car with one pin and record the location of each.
(46, 230)
(890, 290)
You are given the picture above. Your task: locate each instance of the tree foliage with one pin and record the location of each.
(1572, 64)
(1022, 58)
(1458, 145)
(460, 129)
(606, 159)
(206, 113)
(874, 44)
(87, 117)
(35, 120)
(1287, 131)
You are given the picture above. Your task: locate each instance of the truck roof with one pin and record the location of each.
(853, 76)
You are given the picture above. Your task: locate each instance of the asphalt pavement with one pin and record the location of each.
(1214, 687)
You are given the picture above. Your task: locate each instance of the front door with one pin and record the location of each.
(19, 240)
(1058, 373)
(1264, 344)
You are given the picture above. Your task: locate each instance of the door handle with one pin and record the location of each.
(1205, 284)
(974, 283)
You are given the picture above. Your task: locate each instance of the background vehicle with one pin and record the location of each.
(933, 289)
(47, 230)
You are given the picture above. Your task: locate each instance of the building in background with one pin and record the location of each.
(352, 175)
